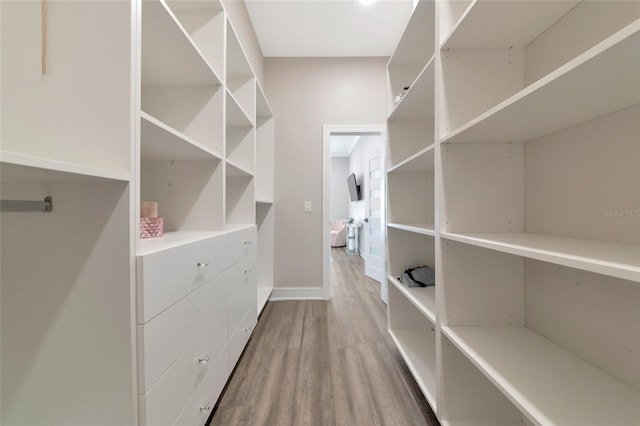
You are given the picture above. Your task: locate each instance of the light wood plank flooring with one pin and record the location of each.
(325, 363)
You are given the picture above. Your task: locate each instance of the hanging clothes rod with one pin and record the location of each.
(45, 206)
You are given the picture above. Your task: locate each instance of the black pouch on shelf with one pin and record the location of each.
(422, 276)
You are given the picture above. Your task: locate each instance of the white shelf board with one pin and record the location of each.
(195, 5)
(160, 141)
(548, 384)
(173, 239)
(234, 169)
(607, 258)
(263, 109)
(169, 56)
(263, 297)
(602, 80)
(237, 226)
(236, 116)
(424, 298)
(415, 34)
(418, 228)
(419, 355)
(14, 166)
(503, 24)
(418, 102)
(261, 200)
(472, 423)
(420, 162)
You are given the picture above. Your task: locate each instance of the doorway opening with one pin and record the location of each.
(354, 194)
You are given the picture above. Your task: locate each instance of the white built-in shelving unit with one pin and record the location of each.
(149, 100)
(66, 325)
(532, 169)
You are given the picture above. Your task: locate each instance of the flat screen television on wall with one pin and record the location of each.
(354, 188)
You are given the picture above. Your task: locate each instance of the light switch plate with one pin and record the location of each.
(307, 206)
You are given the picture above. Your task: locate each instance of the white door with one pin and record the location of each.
(374, 226)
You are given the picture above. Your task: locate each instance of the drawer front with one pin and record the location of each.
(242, 290)
(163, 339)
(241, 336)
(241, 243)
(199, 406)
(167, 276)
(164, 402)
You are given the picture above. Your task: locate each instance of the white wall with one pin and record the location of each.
(305, 94)
(339, 201)
(366, 146)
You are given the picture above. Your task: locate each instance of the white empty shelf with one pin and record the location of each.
(418, 102)
(423, 298)
(503, 24)
(415, 34)
(169, 56)
(602, 80)
(548, 384)
(25, 167)
(263, 109)
(419, 354)
(234, 169)
(160, 141)
(420, 162)
(171, 240)
(419, 228)
(236, 116)
(607, 258)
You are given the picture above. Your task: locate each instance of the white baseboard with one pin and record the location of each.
(297, 293)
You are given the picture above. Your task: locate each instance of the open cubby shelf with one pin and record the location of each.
(607, 258)
(591, 85)
(538, 372)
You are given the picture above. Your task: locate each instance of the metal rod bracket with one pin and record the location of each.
(45, 206)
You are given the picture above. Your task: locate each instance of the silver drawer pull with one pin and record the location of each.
(204, 360)
(202, 264)
(205, 407)
(247, 271)
(246, 243)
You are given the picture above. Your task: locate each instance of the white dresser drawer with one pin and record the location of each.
(167, 276)
(163, 339)
(240, 337)
(241, 243)
(199, 406)
(242, 289)
(166, 399)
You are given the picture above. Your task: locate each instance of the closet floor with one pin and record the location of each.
(324, 362)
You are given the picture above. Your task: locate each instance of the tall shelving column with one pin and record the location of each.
(265, 220)
(182, 306)
(410, 196)
(538, 133)
(240, 134)
(66, 330)
(181, 130)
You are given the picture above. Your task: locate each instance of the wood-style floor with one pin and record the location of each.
(325, 363)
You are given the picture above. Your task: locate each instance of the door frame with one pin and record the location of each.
(366, 226)
(327, 131)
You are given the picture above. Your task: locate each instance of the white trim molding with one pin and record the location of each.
(297, 293)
